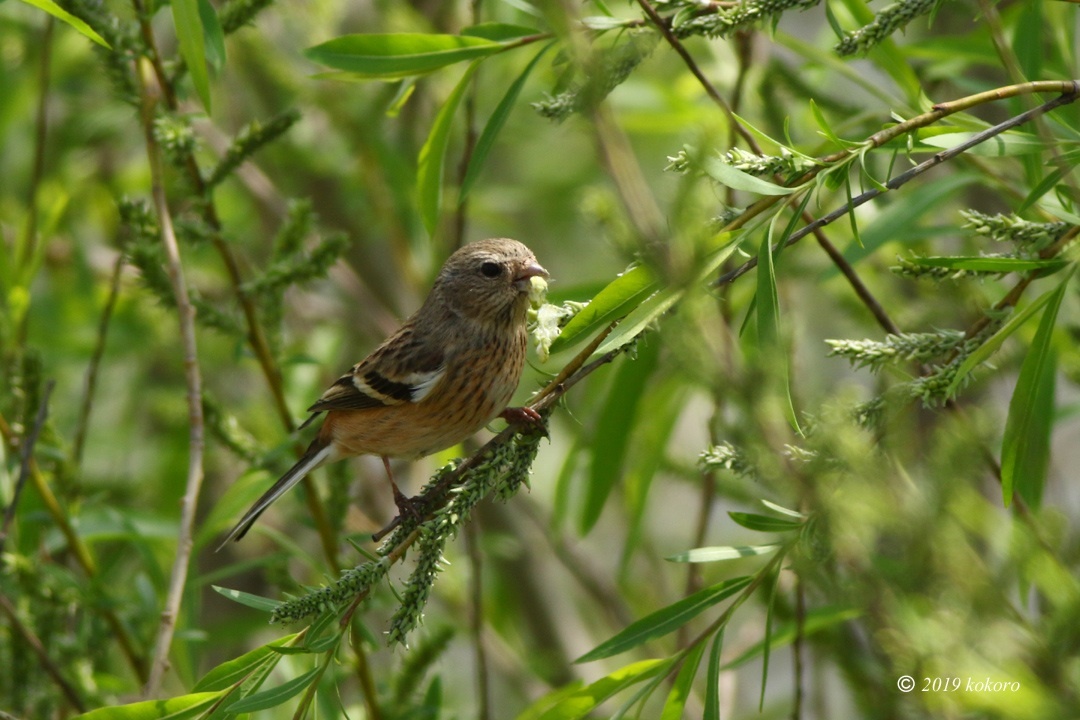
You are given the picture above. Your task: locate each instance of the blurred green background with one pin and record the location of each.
(904, 560)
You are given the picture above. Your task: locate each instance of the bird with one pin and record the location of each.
(448, 371)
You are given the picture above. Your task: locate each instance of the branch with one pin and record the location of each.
(256, 337)
(905, 177)
(83, 423)
(357, 582)
(664, 26)
(151, 93)
(27, 455)
(665, 29)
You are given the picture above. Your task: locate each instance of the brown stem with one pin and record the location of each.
(905, 177)
(476, 622)
(691, 64)
(255, 335)
(196, 431)
(82, 426)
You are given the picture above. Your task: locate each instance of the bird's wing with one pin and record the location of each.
(401, 370)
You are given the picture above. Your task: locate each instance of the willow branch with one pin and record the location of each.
(151, 94)
(542, 403)
(905, 177)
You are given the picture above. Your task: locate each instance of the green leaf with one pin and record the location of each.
(213, 35)
(723, 552)
(494, 126)
(580, 703)
(988, 348)
(683, 685)
(736, 179)
(615, 428)
(991, 264)
(783, 510)
(764, 523)
(233, 671)
(1065, 165)
(429, 172)
(1025, 447)
(1004, 145)
(640, 318)
(177, 708)
(276, 695)
(769, 141)
(768, 309)
(1028, 39)
(191, 38)
(896, 221)
(396, 55)
(636, 322)
(252, 601)
(824, 126)
(499, 32)
(621, 295)
(712, 685)
(852, 221)
(666, 400)
(601, 22)
(815, 621)
(770, 348)
(665, 620)
(64, 16)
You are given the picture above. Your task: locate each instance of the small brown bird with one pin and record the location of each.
(451, 369)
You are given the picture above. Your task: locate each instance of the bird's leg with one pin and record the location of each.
(405, 504)
(524, 416)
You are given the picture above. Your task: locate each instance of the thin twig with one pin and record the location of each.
(28, 249)
(701, 528)
(711, 91)
(664, 26)
(905, 177)
(51, 668)
(256, 336)
(83, 423)
(876, 308)
(26, 455)
(476, 622)
(625, 172)
(604, 594)
(461, 211)
(151, 94)
(797, 647)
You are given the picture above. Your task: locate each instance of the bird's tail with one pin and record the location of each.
(317, 454)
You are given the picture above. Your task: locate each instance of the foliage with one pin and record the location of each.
(721, 517)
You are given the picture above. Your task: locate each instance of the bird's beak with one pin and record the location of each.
(524, 276)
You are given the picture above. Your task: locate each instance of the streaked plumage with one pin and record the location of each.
(451, 368)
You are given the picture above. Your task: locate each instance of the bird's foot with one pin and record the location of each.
(526, 417)
(411, 508)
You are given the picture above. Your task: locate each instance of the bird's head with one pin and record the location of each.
(489, 280)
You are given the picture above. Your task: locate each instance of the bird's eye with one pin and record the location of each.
(491, 269)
